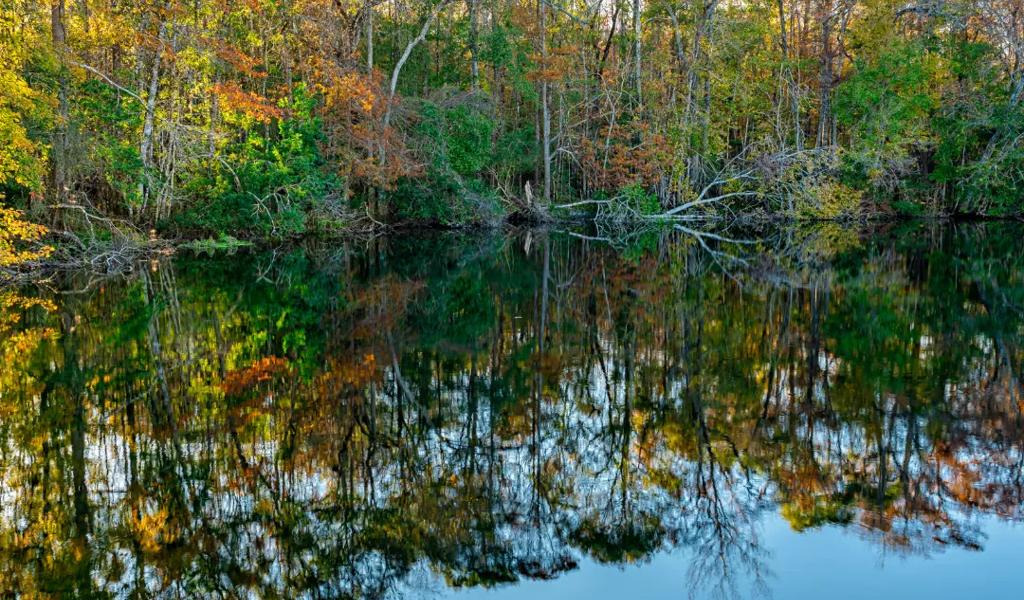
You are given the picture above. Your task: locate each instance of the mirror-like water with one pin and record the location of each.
(528, 415)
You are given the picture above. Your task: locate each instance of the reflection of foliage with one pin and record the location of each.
(820, 512)
(239, 382)
(621, 544)
(19, 340)
(494, 410)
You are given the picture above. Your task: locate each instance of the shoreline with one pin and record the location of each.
(111, 258)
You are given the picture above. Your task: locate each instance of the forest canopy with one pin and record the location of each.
(265, 118)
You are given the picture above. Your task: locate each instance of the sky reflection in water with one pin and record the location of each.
(823, 410)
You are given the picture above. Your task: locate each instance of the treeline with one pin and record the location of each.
(275, 118)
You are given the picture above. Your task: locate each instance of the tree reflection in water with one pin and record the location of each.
(353, 422)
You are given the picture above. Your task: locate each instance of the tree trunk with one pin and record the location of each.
(787, 74)
(369, 38)
(698, 94)
(637, 64)
(148, 124)
(474, 63)
(825, 81)
(545, 110)
(58, 159)
(424, 30)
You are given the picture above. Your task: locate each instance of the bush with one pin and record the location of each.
(20, 240)
(887, 106)
(457, 145)
(807, 186)
(267, 184)
(638, 199)
(829, 199)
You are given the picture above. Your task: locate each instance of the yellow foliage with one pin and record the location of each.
(20, 157)
(18, 342)
(826, 240)
(152, 530)
(19, 239)
(830, 199)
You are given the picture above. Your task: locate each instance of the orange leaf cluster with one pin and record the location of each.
(623, 155)
(238, 382)
(243, 63)
(353, 108)
(251, 104)
(347, 372)
(352, 92)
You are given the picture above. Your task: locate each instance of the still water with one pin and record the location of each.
(790, 413)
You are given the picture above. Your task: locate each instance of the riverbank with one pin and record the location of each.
(119, 250)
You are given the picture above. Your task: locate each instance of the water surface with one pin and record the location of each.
(532, 414)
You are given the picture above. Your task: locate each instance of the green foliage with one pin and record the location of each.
(887, 107)
(979, 155)
(963, 127)
(267, 182)
(921, 113)
(642, 245)
(468, 140)
(506, 48)
(456, 143)
(639, 199)
(112, 157)
(210, 246)
(515, 152)
(994, 183)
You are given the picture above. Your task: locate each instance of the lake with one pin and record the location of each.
(753, 412)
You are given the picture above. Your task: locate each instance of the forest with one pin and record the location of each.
(260, 119)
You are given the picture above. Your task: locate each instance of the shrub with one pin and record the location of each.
(637, 198)
(887, 106)
(20, 239)
(267, 184)
(829, 199)
(456, 143)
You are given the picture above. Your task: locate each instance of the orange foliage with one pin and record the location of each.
(243, 63)
(238, 382)
(345, 372)
(621, 155)
(383, 305)
(353, 92)
(552, 69)
(353, 108)
(252, 105)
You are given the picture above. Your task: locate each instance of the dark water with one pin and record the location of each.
(822, 411)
